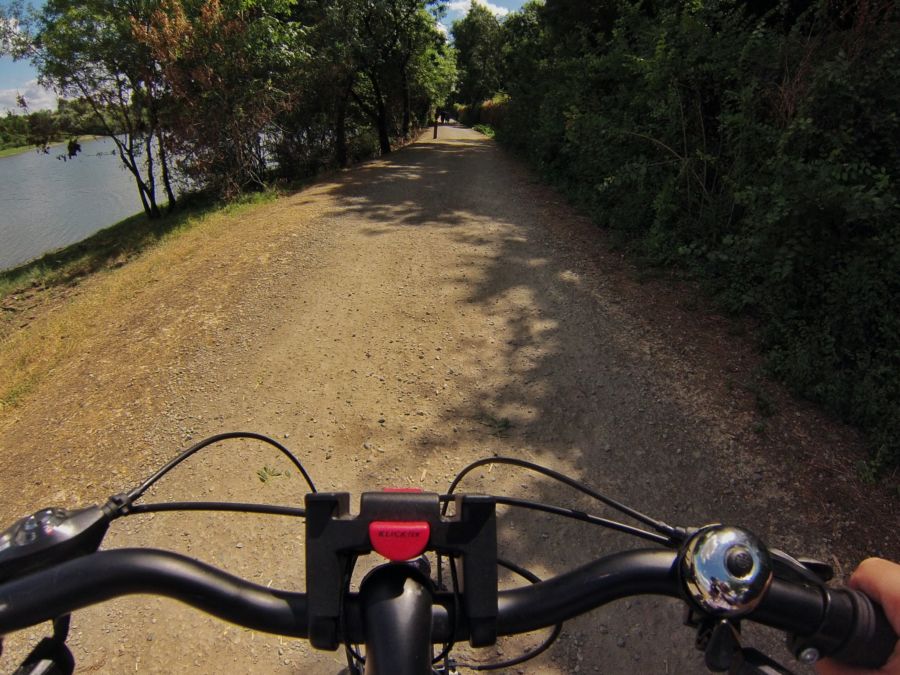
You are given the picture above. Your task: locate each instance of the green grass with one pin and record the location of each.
(108, 248)
(499, 425)
(113, 246)
(17, 150)
(14, 394)
(484, 129)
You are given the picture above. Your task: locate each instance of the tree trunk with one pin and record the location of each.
(167, 181)
(340, 131)
(150, 183)
(384, 136)
(377, 114)
(126, 154)
(407, 103)
(142, 193)
(381, 116)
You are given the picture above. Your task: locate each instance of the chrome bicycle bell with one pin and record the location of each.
(726, 570)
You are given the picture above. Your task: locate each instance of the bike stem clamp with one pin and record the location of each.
(400, 525)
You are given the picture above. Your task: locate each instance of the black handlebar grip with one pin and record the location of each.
(873, 639)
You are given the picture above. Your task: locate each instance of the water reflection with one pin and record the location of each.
(46, 203)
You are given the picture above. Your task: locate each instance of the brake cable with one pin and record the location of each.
(136, 493)
(673, 535)
(527, 656)
(237, 507)
(666, 535)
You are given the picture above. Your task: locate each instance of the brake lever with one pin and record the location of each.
(720, 642)
(807, 570)
(821, 569)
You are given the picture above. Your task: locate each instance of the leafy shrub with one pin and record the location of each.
(490, 112)
(759, 150)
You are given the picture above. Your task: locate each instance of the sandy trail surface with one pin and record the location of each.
(389, 325)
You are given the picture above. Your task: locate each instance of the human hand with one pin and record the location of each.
(880, 580)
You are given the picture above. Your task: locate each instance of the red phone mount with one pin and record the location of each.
(399, 525)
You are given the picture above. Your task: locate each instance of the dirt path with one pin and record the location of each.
(391, 325)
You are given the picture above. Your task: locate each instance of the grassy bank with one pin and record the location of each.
(17, 150)
(42, 321)
(108, 248)
(21, 149)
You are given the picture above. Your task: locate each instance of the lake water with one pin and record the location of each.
(46, 203)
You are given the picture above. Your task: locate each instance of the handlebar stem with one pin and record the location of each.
(396, 611)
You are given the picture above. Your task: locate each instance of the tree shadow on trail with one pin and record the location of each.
(576, 382)
(414, 186)
(555, 373)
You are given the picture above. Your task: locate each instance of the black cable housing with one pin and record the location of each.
(672, 534)
(537, 651)
(136, 493)
(585, 518)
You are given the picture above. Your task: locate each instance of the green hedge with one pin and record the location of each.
(761, 152)
(489, 113)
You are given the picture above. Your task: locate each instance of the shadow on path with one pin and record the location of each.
(571, 385)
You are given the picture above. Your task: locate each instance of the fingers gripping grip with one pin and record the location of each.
(872, 640)
(851, 628)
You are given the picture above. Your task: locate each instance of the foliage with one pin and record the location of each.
(15, 131)
(224, 65)
(490, 113)
(227, 94)
(396, 61)
(72, 119)
(85, 50)
(477, 39)
(756, 146)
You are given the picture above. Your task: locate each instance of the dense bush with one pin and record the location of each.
(758, 148)
(490, 112)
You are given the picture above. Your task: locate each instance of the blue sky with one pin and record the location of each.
(20, 77)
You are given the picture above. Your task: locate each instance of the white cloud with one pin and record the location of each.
(35, 95)
(457, 9)
(462, 7)
(9, 31)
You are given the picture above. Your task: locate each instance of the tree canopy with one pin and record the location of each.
(224, 95)
(477, 38)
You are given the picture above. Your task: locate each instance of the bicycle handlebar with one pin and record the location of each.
(50, 567)
(102, 576)
(91, 579)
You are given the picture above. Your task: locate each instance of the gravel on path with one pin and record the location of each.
(391, 324)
